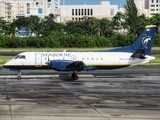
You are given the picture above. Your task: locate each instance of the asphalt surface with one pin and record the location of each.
(131, 93)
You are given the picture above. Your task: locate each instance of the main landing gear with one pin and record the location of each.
(74, 76)
(19, 75)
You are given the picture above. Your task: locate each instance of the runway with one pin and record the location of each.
(122, 94)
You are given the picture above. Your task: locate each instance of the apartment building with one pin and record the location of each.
(12, 9)
(142, 7)
(77, 12)
(148, 7)
(154, 7)
(6, 11)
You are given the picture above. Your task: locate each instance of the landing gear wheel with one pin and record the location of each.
(74, 76)
(19, 77)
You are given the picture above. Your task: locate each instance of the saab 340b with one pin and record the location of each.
(137, 53)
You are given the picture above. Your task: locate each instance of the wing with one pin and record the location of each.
(66, 65)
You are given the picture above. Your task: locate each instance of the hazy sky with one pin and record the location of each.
(120, 3)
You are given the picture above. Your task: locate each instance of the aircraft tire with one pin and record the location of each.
(19, 77)
(74, 76)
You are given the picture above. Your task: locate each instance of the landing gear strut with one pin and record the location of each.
(74, 76)
(19, 75)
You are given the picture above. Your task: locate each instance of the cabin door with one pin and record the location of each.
(38, 60)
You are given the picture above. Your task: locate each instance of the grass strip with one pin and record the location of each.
(58, 49)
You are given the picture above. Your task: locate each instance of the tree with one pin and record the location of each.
(34, 24)
(91, 26)
(4, 27)
(155, 19)
(106, 27)
(73, 27)
(142, 21)
(118, 21)
(131, 16)
(48, 25)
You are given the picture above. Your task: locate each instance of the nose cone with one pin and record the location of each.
(5, 65)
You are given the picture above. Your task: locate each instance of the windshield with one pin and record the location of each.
(20, 57)
(17, 57)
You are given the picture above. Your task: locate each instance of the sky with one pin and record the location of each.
(120, 3)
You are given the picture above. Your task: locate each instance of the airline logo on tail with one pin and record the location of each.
(145, 41)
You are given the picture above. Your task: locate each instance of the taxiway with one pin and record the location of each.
(123, 94)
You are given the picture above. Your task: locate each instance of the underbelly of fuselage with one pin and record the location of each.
(31, 67)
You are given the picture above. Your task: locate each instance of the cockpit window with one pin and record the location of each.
(20, 57)
(17, 57)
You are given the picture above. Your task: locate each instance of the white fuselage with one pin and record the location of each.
(31, 60)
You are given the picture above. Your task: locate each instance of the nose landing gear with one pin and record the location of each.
(19, 75)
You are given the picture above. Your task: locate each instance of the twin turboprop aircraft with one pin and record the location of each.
(137, 53)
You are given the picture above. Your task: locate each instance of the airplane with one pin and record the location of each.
(137, 53)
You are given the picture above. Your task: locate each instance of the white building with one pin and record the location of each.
(142, 7)
(76, 12)
(12, 9)
(54, 5)
(148, 7)
(154, 7)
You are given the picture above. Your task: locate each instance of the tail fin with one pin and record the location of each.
(142, 43)
(145, 40)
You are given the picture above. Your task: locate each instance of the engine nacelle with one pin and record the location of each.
(66, 65)
(60, 65)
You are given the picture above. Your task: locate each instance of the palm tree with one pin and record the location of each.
(91, 26)
(34, 25)
(4, 27)
(106, 27)
(118, 21)
(131, 16)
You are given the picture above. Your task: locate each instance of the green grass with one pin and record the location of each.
(50, 49)
(4, 59)
(58, 49)
(156, 61)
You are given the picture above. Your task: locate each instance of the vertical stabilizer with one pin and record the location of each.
(145, 40)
